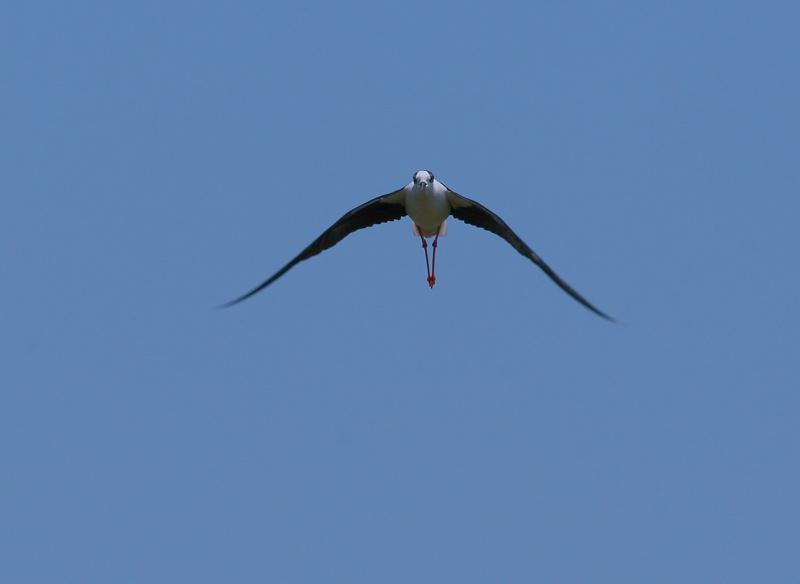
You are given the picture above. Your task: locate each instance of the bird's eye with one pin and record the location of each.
(430, 173)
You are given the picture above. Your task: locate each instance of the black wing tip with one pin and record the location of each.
(604, 315)
(581, 300)
(227, 304)
(242, 298)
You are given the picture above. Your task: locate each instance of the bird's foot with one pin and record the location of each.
(431, 281)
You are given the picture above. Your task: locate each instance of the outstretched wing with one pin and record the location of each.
(476, 214)
(379, 210)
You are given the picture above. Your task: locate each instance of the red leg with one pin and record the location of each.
(432, 275)
(425, 247)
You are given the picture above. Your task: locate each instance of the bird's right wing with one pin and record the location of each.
(476, 214)
(379, 210)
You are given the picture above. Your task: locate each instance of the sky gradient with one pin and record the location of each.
(348, 424)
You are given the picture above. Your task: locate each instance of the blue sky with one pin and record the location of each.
(348, 424)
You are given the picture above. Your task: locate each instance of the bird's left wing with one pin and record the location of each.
(379, 210)
(476, 214)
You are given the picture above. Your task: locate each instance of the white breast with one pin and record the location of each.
(428, 207)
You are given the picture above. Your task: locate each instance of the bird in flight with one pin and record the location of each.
(429, 203)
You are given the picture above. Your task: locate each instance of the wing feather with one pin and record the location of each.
(379, 210)
(476, 214)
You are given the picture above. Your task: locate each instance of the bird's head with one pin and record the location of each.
(423, 178)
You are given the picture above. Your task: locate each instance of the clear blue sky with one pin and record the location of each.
(348, 424)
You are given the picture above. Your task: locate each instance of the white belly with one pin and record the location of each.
(428, 208)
